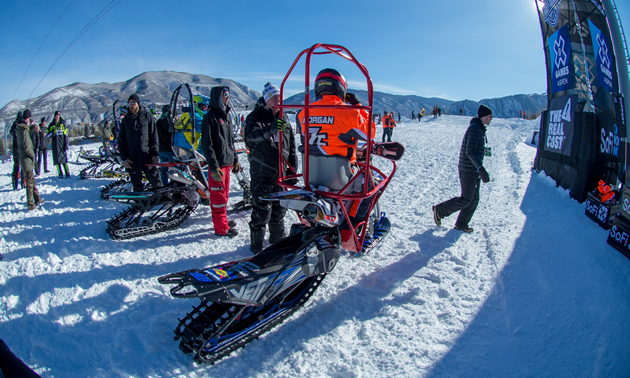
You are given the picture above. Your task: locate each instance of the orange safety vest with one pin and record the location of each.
(386, 120)
(335, 132)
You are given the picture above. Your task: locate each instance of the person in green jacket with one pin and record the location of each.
(27, 159)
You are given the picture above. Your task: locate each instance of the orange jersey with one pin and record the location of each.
(335, 132)
(388, 121)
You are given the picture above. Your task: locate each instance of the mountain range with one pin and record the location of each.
(92, 103)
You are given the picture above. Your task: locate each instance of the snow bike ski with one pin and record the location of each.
(242, 300)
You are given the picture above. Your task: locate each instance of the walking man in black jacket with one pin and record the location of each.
(471, 173)
(217, 142)
(262, 128)
(138, 145)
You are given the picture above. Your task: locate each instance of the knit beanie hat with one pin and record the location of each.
(57, 113)
(483, 111)
(42, 120)
(270, 91)
(135, 98)
(26, 114)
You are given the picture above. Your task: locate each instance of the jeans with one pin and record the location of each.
(165, 157)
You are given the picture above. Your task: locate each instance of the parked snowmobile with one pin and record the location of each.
(158, 209)
(242, 300)
(107, 164)
(102, 167)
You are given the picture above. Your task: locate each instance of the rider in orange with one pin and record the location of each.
(333, 136)
(334, 132)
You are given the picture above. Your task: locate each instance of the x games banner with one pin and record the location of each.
(582, 137)
(578, 51)
(560, 56)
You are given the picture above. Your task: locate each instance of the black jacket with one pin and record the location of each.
(13, 131)
(217, 137)
(261, 138)
(472, 151)
(35, 138)
(43, 138)
(58, 140)
(138, 138)
(165, 133)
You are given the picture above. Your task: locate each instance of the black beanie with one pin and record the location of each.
(26, 114)
(166, 108)
(135, 98)
(483, 111)
(57, 113)
(42, 120)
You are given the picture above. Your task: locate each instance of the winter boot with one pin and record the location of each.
(257, 238)
(276, 232)
(436, 217)
(466, 229)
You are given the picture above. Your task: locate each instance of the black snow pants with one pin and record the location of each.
(467, 203)
(265, 213)
(152, 175)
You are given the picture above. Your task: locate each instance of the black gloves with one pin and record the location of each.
(352, 99)
(484, 175)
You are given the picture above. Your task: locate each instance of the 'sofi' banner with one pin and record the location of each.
(560, 125)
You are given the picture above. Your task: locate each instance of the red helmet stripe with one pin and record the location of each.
(336, 77)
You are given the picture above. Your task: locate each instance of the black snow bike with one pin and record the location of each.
(241, 300)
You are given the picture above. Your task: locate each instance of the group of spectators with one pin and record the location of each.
(30, 149)
(141, 142)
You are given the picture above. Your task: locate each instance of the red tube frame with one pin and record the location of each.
(365, 168)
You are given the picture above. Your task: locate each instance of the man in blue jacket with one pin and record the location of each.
(471, 173)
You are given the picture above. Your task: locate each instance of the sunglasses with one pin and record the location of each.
(131, 102)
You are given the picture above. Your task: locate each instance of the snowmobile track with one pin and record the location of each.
(201, 331)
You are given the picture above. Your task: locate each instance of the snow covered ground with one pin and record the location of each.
(534, 291)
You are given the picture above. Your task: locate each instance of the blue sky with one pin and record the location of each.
(453, 49)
